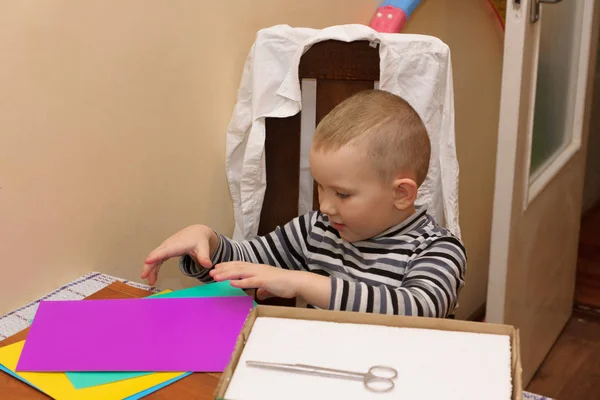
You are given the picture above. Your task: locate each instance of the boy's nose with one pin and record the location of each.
(326, 206)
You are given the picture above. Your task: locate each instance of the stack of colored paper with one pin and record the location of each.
(128, 348)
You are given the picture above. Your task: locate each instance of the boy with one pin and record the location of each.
(369, 248)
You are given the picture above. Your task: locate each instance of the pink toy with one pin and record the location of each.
(392, 14)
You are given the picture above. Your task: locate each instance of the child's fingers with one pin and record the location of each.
(146, 269)
(231, 270)
(229, 275)
(263, 294)
(168, 249)
(248, 283)
(150, 272)
(161, 253)
(153, 276)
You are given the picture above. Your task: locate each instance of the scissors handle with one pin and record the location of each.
(380, 378)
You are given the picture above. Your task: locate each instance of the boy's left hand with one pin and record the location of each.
(270, 281)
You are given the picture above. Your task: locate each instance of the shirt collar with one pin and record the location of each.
(407, 225)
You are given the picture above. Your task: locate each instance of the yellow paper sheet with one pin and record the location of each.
(58, 386)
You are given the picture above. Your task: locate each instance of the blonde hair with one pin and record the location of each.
(394, 135)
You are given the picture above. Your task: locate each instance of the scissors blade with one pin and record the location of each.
(309, 369)
(270, 365)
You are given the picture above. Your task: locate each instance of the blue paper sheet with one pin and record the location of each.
(8, 371)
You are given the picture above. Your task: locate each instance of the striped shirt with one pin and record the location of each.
(413, 268)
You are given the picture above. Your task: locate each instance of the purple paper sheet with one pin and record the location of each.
(175, 335)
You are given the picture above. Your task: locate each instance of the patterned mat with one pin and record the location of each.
(18, 320)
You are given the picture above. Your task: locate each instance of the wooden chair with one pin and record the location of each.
(341, 69)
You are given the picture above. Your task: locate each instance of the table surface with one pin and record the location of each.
(196, 386)
(100, 286)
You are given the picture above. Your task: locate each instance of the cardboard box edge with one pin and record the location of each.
(354, 317)
(221, 388)
(517, 367)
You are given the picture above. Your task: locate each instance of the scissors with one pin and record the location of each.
(379, 378)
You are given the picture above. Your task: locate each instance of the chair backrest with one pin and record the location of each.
(341, 69)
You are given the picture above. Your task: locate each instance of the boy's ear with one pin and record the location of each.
(405, 193)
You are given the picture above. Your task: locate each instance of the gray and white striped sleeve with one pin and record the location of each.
(285, 248)
(430, 287)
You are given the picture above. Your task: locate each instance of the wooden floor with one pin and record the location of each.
(587, 288)
(571, 370)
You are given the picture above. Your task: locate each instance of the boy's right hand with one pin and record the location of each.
(198, 241)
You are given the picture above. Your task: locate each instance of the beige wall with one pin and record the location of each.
(471, 30)
(112, 122)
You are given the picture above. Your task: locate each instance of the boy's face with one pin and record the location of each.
(357, 202)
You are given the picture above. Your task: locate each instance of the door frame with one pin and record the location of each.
(517, 68)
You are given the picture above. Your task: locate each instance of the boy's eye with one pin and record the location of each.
(342, 195)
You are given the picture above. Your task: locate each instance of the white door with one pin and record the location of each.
(549, 60)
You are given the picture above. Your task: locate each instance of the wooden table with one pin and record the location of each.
(195, 386)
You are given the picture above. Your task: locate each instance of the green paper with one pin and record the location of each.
(81, 380)
(216, 289)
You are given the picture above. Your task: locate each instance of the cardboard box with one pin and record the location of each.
(372, 319)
